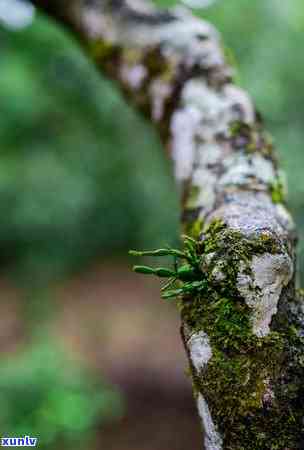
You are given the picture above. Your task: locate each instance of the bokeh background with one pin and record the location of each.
(90, 358)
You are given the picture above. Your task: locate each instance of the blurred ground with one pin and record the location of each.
(115, 322)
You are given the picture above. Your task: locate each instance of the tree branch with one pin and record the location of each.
(244, 336)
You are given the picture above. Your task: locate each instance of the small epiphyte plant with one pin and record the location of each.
(186, 277)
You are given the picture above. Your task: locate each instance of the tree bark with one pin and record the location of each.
(244, 337)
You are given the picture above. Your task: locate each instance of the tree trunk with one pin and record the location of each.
(244, 338)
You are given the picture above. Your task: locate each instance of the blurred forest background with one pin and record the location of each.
(82, 180)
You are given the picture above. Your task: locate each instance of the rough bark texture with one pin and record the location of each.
(244, 335)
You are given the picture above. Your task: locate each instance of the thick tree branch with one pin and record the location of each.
(244, 337)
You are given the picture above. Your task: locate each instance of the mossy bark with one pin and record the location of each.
(244, 334)
(251, 382)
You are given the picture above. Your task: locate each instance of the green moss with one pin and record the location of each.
(101, 49)
(235, 381)
(156, 64)
(235, 389)
(132, 56)
(234, 246)
(211, 234)
(278, 191)
(192, 198)
(194, 228)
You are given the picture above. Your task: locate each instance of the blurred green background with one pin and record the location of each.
(83, 179)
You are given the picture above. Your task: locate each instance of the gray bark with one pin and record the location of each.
(244, 338)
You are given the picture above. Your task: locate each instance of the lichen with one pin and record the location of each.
(133, 75)
(160, 92)
(205, 182)
(212, 439)
(200, 350)
(183, 127)
(262, 286)
(241, 169)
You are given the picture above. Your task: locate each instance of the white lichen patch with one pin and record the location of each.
(133, 75)
(263, 168)
(205, 182)
(218, 275)
(159, 92)
(262, 288)
(141, 7)
(204, 114)
(241, 168)
(184, 36)
(212, 439)
(183, 128)
(200, 350)
(284, 217)
(97, 26)
(210, 104)
(241, 100)
(218, 108)
(248, 212)
(209, 154)
(192, 39)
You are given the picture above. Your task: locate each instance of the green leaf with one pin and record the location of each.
(144, 269)
(172, 294)
(162, 272)
(159, 252)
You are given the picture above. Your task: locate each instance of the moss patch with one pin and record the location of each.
(278, 191)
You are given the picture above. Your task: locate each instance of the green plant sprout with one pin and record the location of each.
(186, 277)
